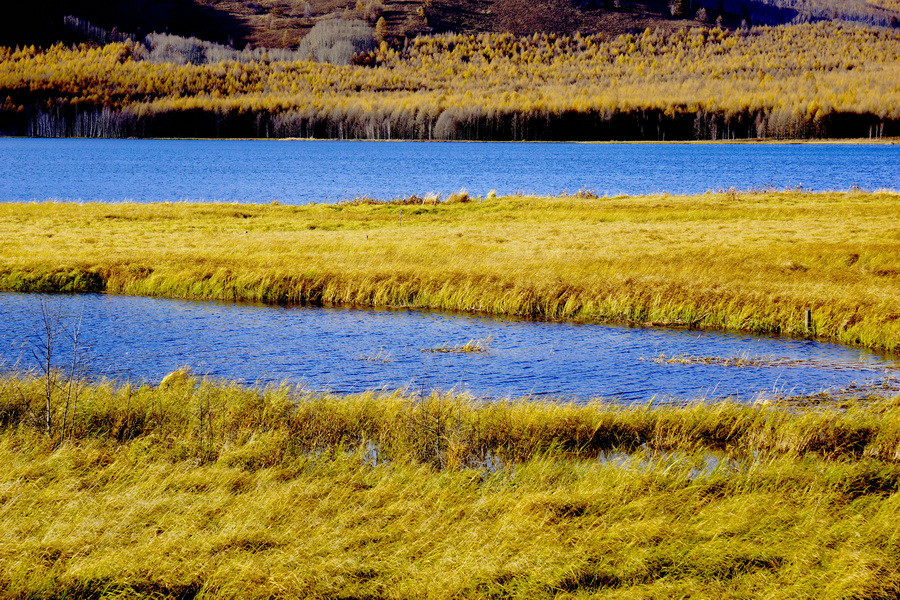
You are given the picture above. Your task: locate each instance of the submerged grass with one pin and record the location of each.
(197, 489)
(749, 361)
(752, 261)
(473, 346)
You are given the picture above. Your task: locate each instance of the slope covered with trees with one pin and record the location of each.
(811, 80)
(283, 23)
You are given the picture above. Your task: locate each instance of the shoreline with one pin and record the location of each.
(631, 260)
(892, 141)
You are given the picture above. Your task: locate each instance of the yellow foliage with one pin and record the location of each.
(759, 72)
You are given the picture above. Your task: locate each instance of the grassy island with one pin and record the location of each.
(753, 261)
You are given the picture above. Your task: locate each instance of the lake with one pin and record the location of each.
(299, 172)
(349, 350)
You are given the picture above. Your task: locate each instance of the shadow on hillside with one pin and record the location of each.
(755, 12)
(40, 22)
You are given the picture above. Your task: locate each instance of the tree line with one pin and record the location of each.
(801, 80)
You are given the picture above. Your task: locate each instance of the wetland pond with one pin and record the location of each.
(301, 172)
(353, 350)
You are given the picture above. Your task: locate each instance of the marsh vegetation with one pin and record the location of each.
(199, 488)
(753, 262)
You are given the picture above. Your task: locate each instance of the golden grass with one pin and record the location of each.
(216, 491)
(738, 261)
(473, 346)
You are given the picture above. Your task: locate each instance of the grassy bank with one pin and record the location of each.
(216, 491)
(738, 261)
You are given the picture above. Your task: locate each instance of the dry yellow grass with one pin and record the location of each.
(746, 261)
(214, 491)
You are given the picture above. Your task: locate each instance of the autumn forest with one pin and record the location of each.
(790, 81)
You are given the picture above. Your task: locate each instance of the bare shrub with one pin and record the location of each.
(369, 10)
(87, 31)
(167, 48)
(337, 41)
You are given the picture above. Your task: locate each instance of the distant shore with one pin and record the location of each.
(887, 141)
(799, 81)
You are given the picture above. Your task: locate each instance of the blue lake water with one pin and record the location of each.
(347, 350)
(299, 172)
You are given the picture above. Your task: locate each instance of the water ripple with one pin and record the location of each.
(142, 339)
(262, 171)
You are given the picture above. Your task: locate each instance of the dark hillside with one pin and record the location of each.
(41, 22)
(522, 17)
(283, 23)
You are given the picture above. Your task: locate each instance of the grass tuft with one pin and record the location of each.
(473, 346)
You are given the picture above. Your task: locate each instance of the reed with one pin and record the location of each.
(752, 261)
(201, 489)
(188, 418)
